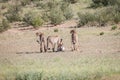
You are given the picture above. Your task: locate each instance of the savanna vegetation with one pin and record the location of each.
(40, 12)
(97, 59)
(99, 54)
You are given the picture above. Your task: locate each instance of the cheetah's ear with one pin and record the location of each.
(39, 33)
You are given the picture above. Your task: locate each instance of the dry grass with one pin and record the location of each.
(98, 58)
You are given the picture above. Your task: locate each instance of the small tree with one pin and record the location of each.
(4, 25)
(56, 16)
(67, 11)
(85, 18)
(33, 19)
(13, 13)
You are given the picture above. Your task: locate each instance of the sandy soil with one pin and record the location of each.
(16, 40)
(19, 44)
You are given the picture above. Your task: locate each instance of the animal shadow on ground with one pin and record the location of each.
(27, 52)
(35, 52)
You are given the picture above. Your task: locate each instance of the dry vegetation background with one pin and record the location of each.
(97, 59)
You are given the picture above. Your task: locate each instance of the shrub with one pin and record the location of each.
(13, 17)
(114, 2)
(71, 1)
(41, 5)
(25, 2)
(45, 16)
(98, 3)
(4, 0)
(114, 27)
(48, 5)
(67, 11)
(116, 17)
(4, 6)
(85, 18)
(68, 14)
(55, 30)
(29, 76)
(55, 11)
(110, 14)
(13, 13)
(33, 19)
(56, 16)
(93, 5)
(36, 22)
(101, 33)
(4, 25)
(51, 4)
(104, 16)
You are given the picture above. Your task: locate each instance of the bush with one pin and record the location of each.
(33, 19)
(116, 17)
(98, 3)
(55, 11)
(29, 76)
(13, 17)
(4, 6)
(4, 25)
(85, 18)
(52, 4)
(56, 16)
(110, 14)
(114, 2)
(36, 22)
(114, 27)
(25, 2)
(93, 5)
(41, 5)
(47, 5)
(67, 11)
(45, 16)
(102, 17)
(68, 14)
(71, 1)
(55, 30)
(13, 13)
(102, 33)
(3, 1)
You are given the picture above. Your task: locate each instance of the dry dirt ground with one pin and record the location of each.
(16, 40)
(18, 45)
